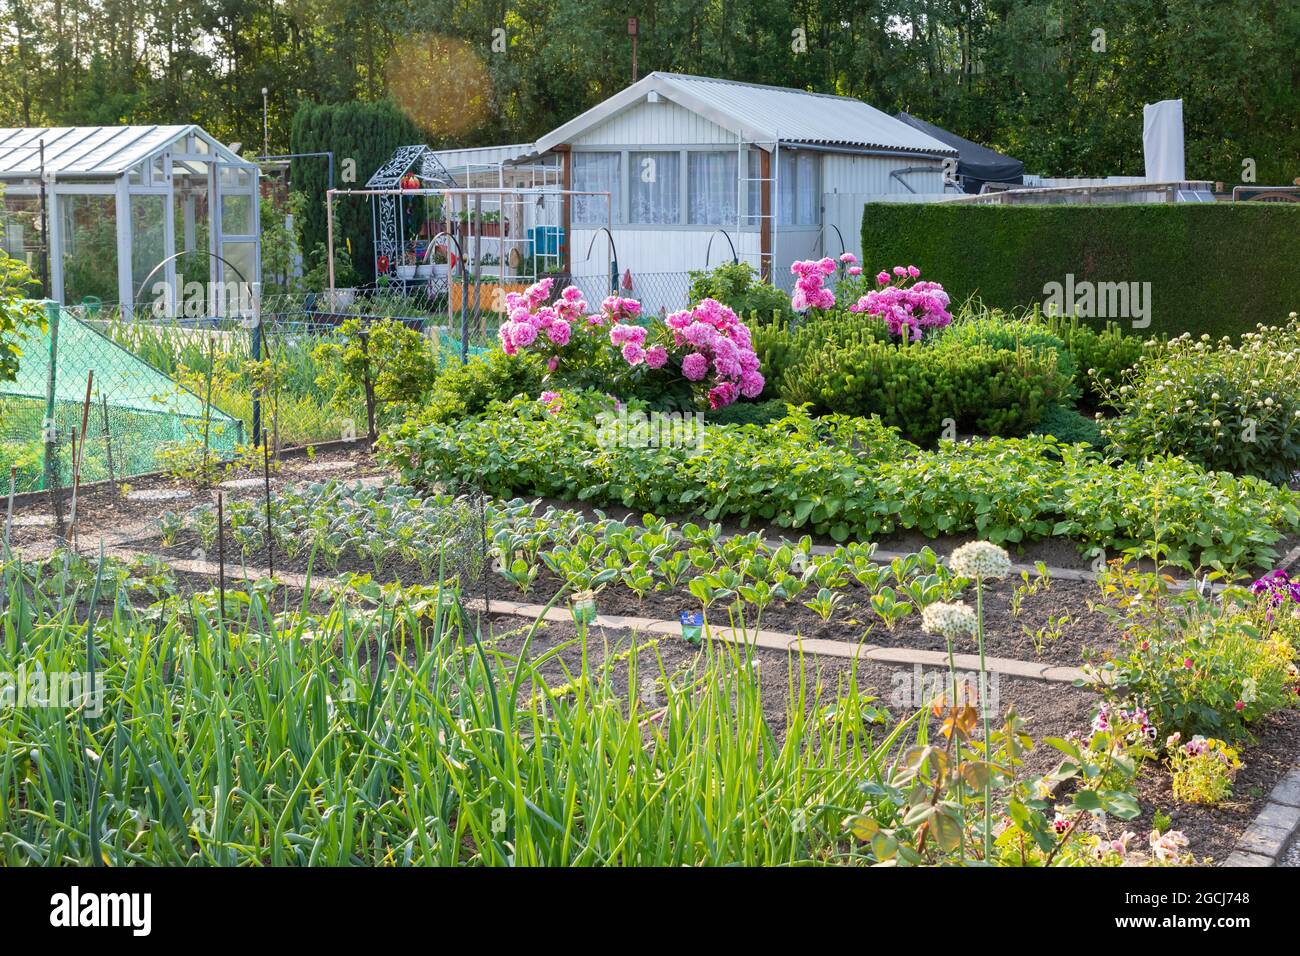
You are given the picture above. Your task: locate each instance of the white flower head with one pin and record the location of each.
(949, 620)
(981, 559)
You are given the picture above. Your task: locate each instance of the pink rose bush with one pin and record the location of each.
(908, 310)
(706, 347)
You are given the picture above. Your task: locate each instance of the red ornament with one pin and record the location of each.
(381, 264)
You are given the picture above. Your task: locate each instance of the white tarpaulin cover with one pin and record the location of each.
(1162, 141)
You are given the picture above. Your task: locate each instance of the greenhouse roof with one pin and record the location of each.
(92, 151)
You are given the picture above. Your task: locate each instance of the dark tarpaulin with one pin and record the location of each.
(976, 164)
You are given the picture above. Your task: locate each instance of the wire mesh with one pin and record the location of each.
(76, 388)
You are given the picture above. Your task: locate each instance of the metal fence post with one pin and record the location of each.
(257, 392)
(48, 425)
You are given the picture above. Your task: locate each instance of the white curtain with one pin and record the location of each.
(598, 172)
(711, 188)
(655, 188)
(798, 189)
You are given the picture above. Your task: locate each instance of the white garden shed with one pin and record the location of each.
(123, 200)
(783, 173)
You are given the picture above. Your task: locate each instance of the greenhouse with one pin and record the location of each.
(158, 216)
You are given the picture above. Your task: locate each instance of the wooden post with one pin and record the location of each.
(765, 222)
(566, 208)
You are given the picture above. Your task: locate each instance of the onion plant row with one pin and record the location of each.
(248, 730)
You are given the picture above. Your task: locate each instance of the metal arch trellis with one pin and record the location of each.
(385, 221)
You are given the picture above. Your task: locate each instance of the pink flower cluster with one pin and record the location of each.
(630, 341)
(720, 342)
(908, 310)
(530, 318)
(810, 290)
(617, 309)
(1138, 716)
(850, 261)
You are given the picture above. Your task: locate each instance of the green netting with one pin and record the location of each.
(137, 413)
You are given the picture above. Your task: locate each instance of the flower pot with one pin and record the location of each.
(583, 607)
(440, 270)
(424, 270)
(406, 272)
(692, 626)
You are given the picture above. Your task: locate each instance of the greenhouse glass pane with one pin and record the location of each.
(88, 240)
(148, 243)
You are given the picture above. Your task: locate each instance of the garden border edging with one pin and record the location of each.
(768, 640)
(1271, 832)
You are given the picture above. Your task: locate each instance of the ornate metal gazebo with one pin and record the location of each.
(409, 164)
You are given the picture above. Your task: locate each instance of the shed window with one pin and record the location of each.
(798, 189)
(597, 172)
(711, 188)
(655, 188)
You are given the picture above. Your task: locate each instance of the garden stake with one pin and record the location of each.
(9, 509)
(108, 439)
(78, 450)
(9, 517)
(266, 486)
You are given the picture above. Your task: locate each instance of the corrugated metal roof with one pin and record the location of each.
(764, 114)
(797, 116)
(106, 151)
(483, 155)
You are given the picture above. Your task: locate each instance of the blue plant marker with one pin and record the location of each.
(692, 625)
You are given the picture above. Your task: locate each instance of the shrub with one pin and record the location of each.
(1069, 427)
(1213, 267)
(737, 286)
(993, 391)
(747, 413)
(855, 477)
(700, 354)
(1226, 407)
(773, 344)
(385, 364)
(468, 389)
(20, 316)
(1100, 355)
(1000, 331)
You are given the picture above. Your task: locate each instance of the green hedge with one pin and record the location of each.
(366, 133)
(1213, 267)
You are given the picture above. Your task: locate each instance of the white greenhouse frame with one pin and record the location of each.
(130, 164)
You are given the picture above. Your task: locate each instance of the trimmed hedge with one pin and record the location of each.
(1213, 267)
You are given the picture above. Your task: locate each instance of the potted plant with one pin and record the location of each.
(406, 268)
(424, 265)
(439, 263)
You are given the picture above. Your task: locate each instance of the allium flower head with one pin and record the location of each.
(948, 620)
(981, 559)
